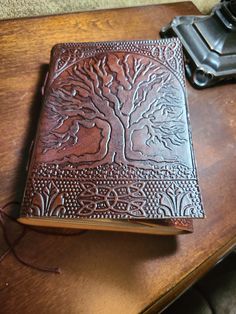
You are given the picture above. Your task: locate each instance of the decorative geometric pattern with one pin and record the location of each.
(128, 198)
(110, 197)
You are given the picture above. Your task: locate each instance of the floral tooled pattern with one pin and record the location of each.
(49, 202)
(175, 202)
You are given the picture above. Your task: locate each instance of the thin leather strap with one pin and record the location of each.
(12, 245)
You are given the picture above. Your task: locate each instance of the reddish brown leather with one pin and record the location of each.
(113, 139)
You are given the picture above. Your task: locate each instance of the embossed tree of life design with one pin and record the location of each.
(135, 102)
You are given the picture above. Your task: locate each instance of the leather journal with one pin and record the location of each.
(113, 149)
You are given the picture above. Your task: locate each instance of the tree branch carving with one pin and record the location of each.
(120, 94)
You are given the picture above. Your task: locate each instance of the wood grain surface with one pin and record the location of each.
(108, 272)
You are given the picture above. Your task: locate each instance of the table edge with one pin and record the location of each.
(193, 276)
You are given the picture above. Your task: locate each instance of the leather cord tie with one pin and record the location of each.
(12, 245)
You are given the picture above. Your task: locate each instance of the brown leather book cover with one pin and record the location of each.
(113, 144)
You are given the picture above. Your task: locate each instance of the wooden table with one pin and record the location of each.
(106, 272)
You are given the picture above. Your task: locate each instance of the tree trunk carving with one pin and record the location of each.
(132, 100)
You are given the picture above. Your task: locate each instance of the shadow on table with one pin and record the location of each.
(20, 173)
(13, 230)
